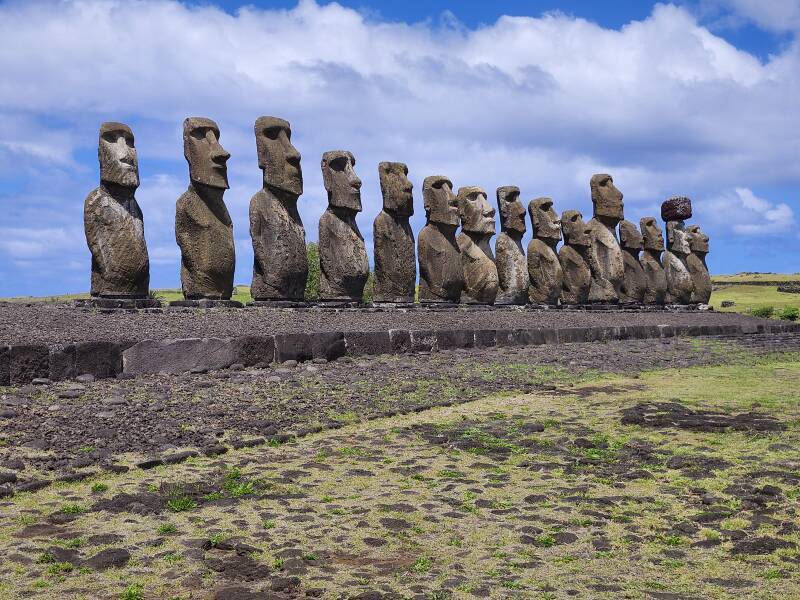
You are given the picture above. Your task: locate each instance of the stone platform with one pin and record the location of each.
(55, 342)
(119, 303)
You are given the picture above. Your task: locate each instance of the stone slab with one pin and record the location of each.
(328, 345)
(449, 339)
(205, 303)
(179, 356)
(361, 343)
(5, 365)
(101, 359)
(293, 346)
(279, 304)
(401, 341)
(28, 362)
(118, 303)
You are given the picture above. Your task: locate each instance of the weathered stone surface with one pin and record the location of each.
(179, 356)
(203, 227)
(477, 259)
(448, 339)
(395, 261)
(656, 279)
(280, 267)
(344, 267)
(608, 212)
(677, 208)
(544, 269)
(28, 362)
(679, 280)
(696, 263)
(5, 365)
(512, 266)
(329, 345)
(361, 343)
(100, 359)
(575, 258)
(113, 221)
(293, 346)
(440, 271)
(634, 285)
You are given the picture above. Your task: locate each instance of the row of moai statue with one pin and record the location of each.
(594, 265)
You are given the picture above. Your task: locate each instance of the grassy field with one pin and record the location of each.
(743, 277)
(241, 293)
(546, 495)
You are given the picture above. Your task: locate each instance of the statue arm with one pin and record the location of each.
(256, 233)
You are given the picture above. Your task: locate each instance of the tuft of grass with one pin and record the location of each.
(73, 509)
(134, 591)
(166, 528)
(99, 488)
(422, 565)
(181, 504)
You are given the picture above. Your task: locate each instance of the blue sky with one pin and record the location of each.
(690, 98)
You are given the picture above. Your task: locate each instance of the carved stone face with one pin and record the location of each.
(677, 240)
(606, 199)
(629, 236)
(512, 213)
(576, 233)
(206, 157)
(396, 188)
(441, 205)
(651, 233)
(277, 157)
(475, 212)
(341, 181)
(544, 220)
(117, 155)
(698, 240)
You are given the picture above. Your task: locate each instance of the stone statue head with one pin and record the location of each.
(396, 189)
(440, 202)
(475, 212)
(629, 237)
(651, 234)
(206, 157)
(277, 157)
(677, 240)
(512, 213)
(341, 182)
(117, 155)
(574, 228)
(698, 240)
(544, 220)
(606, 199)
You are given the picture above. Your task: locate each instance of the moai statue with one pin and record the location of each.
(544, 270)
(576, 258)
(512, 267)
(441, 278)
(634, 285)
(203, 227)
(113, 221)
(656, 280)
(696, 262)
(344, 266)
(608, 212)
(395, 262)
(679, 281)
(477, 259)
(280, 267)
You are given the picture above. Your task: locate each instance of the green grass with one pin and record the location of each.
(742, 277)
(748, 297)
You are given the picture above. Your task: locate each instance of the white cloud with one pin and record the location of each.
(775, 15)
(663, 104)
(742, 212)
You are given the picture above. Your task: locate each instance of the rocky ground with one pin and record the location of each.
(545, 472)
(60, 324)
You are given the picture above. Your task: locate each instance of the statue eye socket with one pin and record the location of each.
(199, 133)
(272, 132)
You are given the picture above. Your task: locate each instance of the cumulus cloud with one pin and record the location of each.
(742, 212)
(663, 104)
(775, 15)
